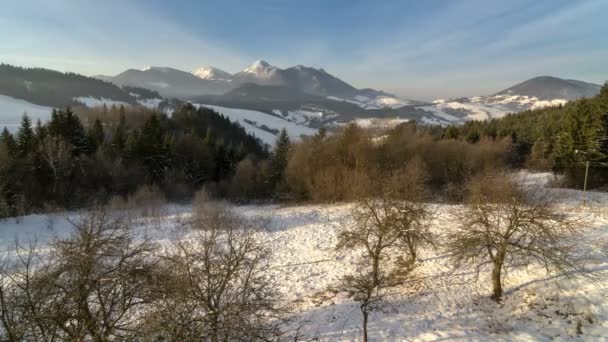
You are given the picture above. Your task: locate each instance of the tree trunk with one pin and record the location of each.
(364, 326)
(412, 252)
(497, 281)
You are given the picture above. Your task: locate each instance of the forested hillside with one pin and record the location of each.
(55, 89)
(68, 163)
(562, 139)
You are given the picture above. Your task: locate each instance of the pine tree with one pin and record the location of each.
(40, 131)
(8, 140)
(279, 159)
(25, 137)
(96, 135)
(119, 138)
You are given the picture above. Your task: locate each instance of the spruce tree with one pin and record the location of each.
(119, 138)
(96, 135)
(8, 140)
(279, 159)
(25, 136)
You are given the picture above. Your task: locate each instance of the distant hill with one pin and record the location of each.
(56, 89)
(169, 82)
(550, 88)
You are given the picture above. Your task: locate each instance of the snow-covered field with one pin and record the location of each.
(11, 110)
(439, 303)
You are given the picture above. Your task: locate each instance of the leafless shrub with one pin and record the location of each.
(504, 224)
(147, 204)
(213, 283)
(89, 286)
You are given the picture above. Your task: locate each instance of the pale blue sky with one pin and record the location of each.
(417, 49)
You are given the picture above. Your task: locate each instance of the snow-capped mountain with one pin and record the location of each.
(260, 72)
(210, 80)
(212, 73)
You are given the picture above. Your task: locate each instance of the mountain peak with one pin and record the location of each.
(155, 68)
(211, 73)
(261, 63)
(260, 66)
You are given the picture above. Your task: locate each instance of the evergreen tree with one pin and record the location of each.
(279, 159)
(119, 138)
(96, 135)
(25, 137)
(40, 131)
(8, 140)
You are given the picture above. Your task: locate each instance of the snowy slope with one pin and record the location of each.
(377, 102)
(264, 126)
(535, 93)
(212, 73)
(91, 101)
(482, 108)
(439, 304)
(12, 109)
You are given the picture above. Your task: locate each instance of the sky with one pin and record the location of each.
(416, 49)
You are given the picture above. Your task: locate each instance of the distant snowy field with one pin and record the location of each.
(439, 304)
(12, 109)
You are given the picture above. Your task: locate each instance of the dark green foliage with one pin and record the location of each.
(67, 165)
(8, 140)
(278, 162)
(25, 137)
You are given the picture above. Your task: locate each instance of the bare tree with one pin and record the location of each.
(55, 151)
(406, 192)
(504, 224)
(375, 231)
(213, 283)
(89, 286)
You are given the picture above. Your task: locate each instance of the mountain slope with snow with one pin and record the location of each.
(212, 73)
(550, 88)
(170, 82)
(262, 125)
(535, 93)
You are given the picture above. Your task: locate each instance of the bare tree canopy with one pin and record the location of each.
(504, 223)
(89, 286)
(213, 283)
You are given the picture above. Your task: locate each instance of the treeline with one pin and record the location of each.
(562, 139)
(69, 162)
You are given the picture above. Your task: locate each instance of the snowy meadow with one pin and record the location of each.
(437, 301)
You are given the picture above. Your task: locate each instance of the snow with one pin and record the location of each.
(440, 303)
(471, 111)
(212, 73)
(150, 103)
(378, 102)
(484, 107)
(261, 69)
(437, 112)
(253, 121)
(12, 109)
(90, 101)
(379, 122)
